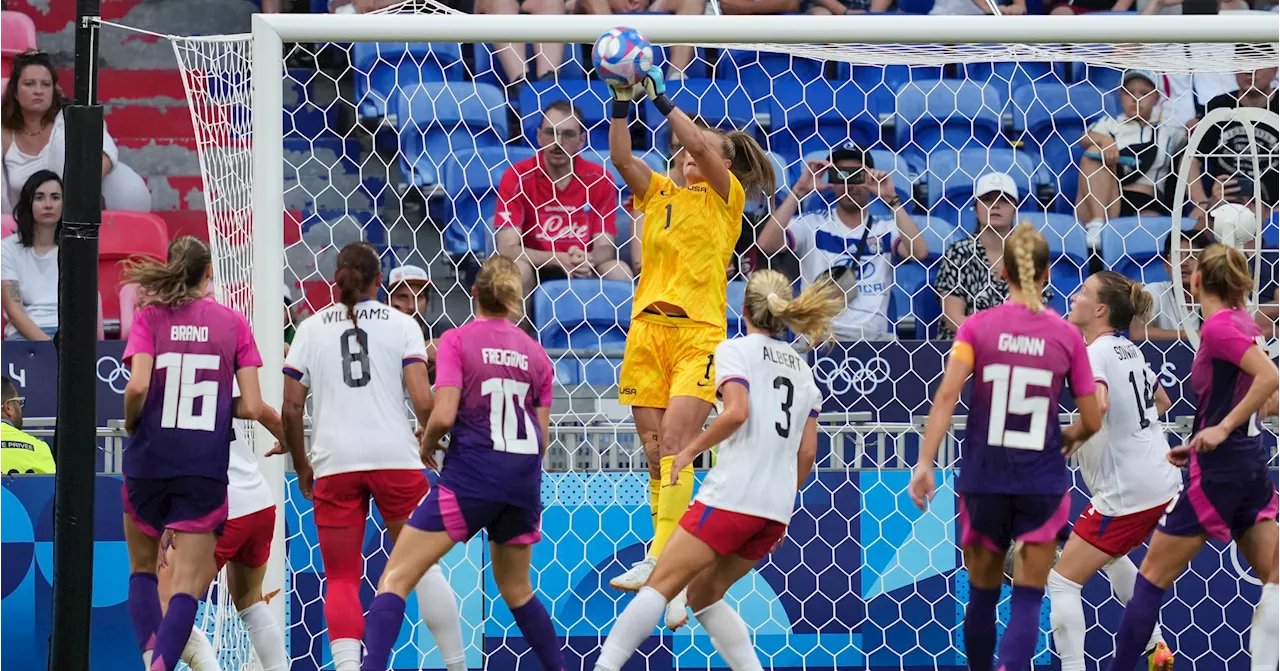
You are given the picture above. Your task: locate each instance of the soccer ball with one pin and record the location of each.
(622, 57)
(1234, 225)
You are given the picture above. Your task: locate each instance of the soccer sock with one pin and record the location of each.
(980, 627)
(382, 627)
(535, 625)
(655, 495)
(438, 609)
(144, 608)
(1264, 634)
(1023, 631)
(672, 503)
(1135, 628)
(1122, 573)
(173, 632)
(340, 549)
(346, 654)
(729, 636)
(266, 635)
(632, 627)
(198, 653)
(1066, 621)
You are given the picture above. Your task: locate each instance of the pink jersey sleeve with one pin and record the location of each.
(140, 338)
(548, 378)
(247, 355)
(1081, 373)
(1224, 339)
(449, 361)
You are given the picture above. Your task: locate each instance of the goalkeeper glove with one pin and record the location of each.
(622, 97)
(656, 88)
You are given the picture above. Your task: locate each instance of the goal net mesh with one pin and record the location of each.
(405, 146)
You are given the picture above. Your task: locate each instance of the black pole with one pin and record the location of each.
(76, 432)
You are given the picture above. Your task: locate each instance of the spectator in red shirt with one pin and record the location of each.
(557, 211)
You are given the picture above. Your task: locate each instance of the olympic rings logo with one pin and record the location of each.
(851, 374)
(113, 373)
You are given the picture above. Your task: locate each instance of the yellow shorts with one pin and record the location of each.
(666, 357)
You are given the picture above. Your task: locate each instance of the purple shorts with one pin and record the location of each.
(1220, 510)
(463, 517)
(997, 520)
(192, 504)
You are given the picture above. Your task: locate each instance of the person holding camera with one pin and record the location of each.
(1225, 152)
(846, 242)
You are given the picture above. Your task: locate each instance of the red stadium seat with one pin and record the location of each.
(7, 226)
(17, 34)
(126, 234)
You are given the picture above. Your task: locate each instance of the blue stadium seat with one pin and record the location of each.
(1068, 251)
(913, 297)
(818, 116)
(947, 114)
(950, 176)
(782, 174)
(939, 233)
(720, 104)
(591, 97)
(439, 119)
(1052, 117)
(760, 72)
(880, 83)
(601, 371)
(1132, 246)
(384, 70)
(736, 292)
(582, 313)
(1006, 76)
(471, 194)
(568, 370)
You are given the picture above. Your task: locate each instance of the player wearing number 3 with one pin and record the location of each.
(678, 317)
(493, 386)
(356, 358)
(1014, 484)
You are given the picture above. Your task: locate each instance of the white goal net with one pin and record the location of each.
(357, 135)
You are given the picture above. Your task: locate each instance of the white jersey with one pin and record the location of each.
(755, 471)
(247, 490)
(826, 246)
(356, 378)
(1124, 463)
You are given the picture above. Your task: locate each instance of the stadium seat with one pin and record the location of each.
(17, 34)
(1052, 117)
(470, 180)
(721, 104)
(582, 313)
(387, 70)
(1132, 246)
(440, 119)
(913, 299)
(736, 292)
(1068, 252)
(121, 236)
(1006, 76)
(880, 83)
(8, 225)
(760, 73)
(939, 233)
(601, 371)
(591, 97)
(818, 116)
(950, 176)
(946, 114)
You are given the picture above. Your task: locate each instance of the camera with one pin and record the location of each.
(848, 178)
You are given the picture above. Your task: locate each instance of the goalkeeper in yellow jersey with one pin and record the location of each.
(678, 318)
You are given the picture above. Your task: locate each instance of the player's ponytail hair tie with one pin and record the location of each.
(768, 306)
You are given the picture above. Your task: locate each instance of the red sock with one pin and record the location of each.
(341, 548)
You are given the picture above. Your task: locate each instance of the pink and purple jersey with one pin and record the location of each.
(495, 448)
(1219, 385)
(1021, 360)
(185, 427)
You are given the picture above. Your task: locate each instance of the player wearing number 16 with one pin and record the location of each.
(183, 353)
(1013, 483)
(356, 358)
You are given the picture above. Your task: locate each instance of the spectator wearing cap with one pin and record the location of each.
(1128, 158)
(1225, 151)
(846, 242)
(409, 291)
(969, 275)
(20, 452)
(1166, 321)
(557, 210)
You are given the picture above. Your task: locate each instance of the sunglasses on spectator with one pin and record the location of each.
(20, 400)
(30, 57)
(557, 134)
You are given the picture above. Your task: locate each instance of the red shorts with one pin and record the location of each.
(342, 500)
(247, 540)
(730, 533)
(1116, 536)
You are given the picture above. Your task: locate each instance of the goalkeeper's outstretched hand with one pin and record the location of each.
(654, 84)
(623, 93)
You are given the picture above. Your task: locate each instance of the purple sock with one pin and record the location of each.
(144, 608)
(980, 627)
(174, 631)
(381, 628)
(1019, 643)
(540, 634)
(1135, 628)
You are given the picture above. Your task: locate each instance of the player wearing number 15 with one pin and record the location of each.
(1013, 484)
(184, 353)
(356, 359)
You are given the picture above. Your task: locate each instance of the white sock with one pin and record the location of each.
(1123, 574)
(266, 635)
(634, 625)
(1066, 621)
(1264, 635)
(198, 653)
(346, 654)
(729, 635)
(438, 608)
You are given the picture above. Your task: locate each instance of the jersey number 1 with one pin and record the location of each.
(1145, 401)
(181, 391)
(506, 410)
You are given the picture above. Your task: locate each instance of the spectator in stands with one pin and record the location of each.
(29, 261)
(678, 57)
(409, 291)
(1224, 152)
(970, 273)
(836, 7)
(979, 7)
(1165, 321)
(1076, 7)
(20, 452)
(846, 243)
(1127, 158)
(556, 211)
(547, 57)
(35, 137)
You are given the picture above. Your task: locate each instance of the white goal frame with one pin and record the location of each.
(270, 31)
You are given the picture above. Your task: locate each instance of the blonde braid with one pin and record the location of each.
(1025, 257)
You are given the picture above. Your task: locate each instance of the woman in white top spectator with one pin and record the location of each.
(29, 261)
(35, 137)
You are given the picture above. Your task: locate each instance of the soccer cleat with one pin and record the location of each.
(635, 577)
(677, 614)
(1160, 659)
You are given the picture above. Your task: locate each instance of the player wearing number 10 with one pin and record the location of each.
(1013, 484)
(183, 354)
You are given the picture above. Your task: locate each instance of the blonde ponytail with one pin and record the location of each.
(1027, 254)
(768, 306)
(498, 288)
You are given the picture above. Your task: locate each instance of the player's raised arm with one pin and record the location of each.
(635, 173)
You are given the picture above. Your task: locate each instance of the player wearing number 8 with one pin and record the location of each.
(355, 359)
(1014, 484)
(493, 385)
(183, 354)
